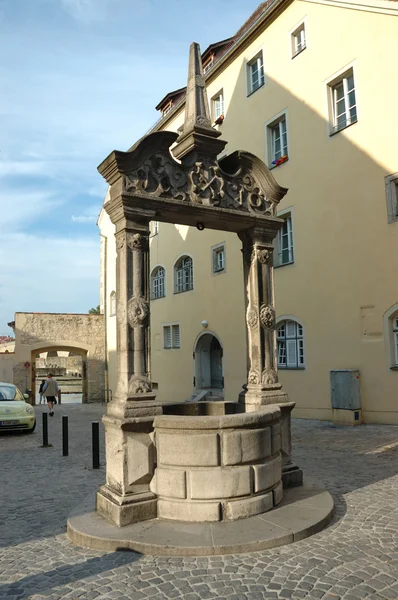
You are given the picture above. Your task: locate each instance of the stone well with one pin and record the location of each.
(214, 464)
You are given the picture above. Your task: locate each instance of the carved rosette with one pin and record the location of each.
(264, 256)
(139, 386)
(267, 316)
(253, 378)
(137, 311)
(269, 377)
(252, 318)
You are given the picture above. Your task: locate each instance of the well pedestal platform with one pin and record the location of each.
(304, 511)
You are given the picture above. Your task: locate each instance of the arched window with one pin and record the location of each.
(290, 345)
(112, 305)
(183, 274)
(158, 289)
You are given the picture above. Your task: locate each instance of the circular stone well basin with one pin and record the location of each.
(216, 463)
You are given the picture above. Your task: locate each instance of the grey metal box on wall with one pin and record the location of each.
(345, 389)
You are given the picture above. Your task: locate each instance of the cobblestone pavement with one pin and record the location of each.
(355, 557)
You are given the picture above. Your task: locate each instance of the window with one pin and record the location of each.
(255, 73)
(112, 305)
(207, 66)
(171, 336)
(343, 102)
(298, 40)
(284, 242)
(183, 275)
(218, 105)
(167, 109)
(158, 283)
(392, 197)
(218, 255)
(154, 228)
(277, 141)
(290, 345)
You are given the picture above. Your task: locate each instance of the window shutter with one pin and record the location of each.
(291, 352)
(167, 336)
(176, 336)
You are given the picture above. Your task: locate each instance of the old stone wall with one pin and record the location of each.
(7, 362)
(82, 333)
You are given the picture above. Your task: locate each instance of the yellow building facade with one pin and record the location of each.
(309, 87)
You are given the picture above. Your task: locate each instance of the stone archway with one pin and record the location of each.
(208, 355)
(76, 351)
(36, 333)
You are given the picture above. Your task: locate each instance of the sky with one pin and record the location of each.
(80, 78)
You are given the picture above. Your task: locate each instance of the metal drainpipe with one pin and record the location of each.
(105, 322)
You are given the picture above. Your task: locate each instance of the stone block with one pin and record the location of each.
(247, 507)
(140, 459)
(192, 449)
(189, 511)
(267, 474)
(246, 446)
(169, 483)
(275, 438)
(125, 512)
(278, 494)
(220, 483)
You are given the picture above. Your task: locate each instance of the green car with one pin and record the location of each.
(15, 412)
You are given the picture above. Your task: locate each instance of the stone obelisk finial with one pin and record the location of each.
(198, 135)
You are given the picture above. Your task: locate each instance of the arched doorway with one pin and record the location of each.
(72, 378)
(208, 355)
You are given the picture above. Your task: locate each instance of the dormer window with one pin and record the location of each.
(208, 65)
(167, 109)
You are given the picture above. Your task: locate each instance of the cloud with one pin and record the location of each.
(84, 219)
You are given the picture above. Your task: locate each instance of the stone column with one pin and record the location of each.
(262, 385)
(130, 454)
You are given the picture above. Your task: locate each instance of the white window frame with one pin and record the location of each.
(208, 65)
(154, 228)
(331, 88)
(112, 304)
(184, 287)
(391, 182)
(161, 281)
(174, 331)
(298, 30)
(214, 252)
(257, 56)
(269, 139)
(286, 215)
(293, 338)
(219, 97)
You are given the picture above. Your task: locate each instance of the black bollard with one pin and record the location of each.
(65, 441)
(95, 439)
(45, 430)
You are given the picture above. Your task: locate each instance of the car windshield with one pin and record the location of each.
(8, 392)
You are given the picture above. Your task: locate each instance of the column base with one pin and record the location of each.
(127, 509)
(254, 396)
(292, 476)
(139, 405)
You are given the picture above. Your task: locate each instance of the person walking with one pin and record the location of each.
(50, 390)
(41, 390)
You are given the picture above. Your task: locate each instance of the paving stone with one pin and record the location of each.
(356, 557)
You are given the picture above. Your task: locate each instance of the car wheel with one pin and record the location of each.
(31, 430)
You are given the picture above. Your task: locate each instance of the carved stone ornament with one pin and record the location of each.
(264, 256)
(139, 385)
(253, 378)
(269, 377)
(120, 242)
(204, 182)
(136, 241)
(252, 318)
(267, 316)
(137, 311)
